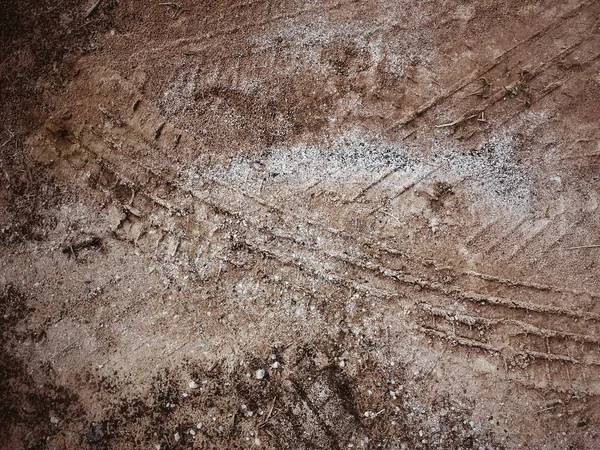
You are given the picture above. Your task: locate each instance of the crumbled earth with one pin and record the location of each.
(253, 224)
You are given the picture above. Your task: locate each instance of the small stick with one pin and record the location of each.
(92, 9)
(455, 122)
(392, 216)
(377, 413)
(12, 135)
(269, 414)
(553, 405)
(583, 246)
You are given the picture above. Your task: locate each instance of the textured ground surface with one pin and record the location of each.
(297, 224)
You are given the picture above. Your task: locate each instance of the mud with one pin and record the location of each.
(318, 224)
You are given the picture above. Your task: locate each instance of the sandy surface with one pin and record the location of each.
(299, 224)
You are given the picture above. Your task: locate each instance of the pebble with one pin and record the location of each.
(193, 385)
(260, 374)
(53, 420)
(176, 437)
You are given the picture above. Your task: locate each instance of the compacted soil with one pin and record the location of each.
(300, 224)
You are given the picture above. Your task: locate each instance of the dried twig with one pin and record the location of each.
(12, 135)
(583, 246)
(457, 121)
(93, 8)
(269, 414)
(392, 216)
(551, 405)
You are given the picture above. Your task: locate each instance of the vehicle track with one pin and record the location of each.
(524, 326)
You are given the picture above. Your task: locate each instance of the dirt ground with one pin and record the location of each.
(300, 224)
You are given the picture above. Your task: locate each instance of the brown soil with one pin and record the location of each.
(250, 224)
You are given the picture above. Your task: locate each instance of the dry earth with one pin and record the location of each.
(300, 224)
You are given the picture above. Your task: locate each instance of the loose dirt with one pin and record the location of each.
(252, 224)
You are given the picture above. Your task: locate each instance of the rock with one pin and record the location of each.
(260, 374)
(115, 217)
(95, 433)
(176, 437)
(54, 420)
(192, 385)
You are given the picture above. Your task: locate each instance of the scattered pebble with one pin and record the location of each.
(176, 437)
(192, 385)
(260, 374)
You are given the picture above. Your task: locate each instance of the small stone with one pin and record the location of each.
(192, 385)
(94, 434)
(176, 437)
(53, 420)
(275, 365)
(260, 374)
(199, 426)
(192, 432)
